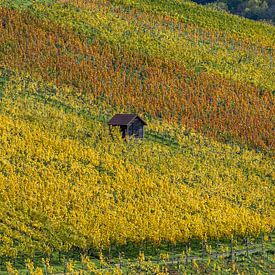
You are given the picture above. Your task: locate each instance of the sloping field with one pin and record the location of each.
(66, 183)
(218, 84)
(203, 80)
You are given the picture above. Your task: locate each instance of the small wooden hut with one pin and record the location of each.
(130, 124)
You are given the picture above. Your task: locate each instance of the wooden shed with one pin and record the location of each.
(130, 124)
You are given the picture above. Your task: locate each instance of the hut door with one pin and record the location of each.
(140, 132)
(123, 130)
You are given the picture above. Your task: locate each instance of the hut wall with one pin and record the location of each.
(136, 128)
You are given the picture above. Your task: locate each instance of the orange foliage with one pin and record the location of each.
(209, 103)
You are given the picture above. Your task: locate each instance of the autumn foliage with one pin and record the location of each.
(204, 171)
(207, 102)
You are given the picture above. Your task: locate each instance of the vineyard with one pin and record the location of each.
(205, 98)
(204, 174)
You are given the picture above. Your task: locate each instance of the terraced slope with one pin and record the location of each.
(217, 83)
(65, 183)
(203, 80)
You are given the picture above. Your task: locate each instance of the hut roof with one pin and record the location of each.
(124, 119)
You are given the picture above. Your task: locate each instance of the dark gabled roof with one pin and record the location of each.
(124, 119)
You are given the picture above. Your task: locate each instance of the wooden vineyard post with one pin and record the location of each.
(246, 246)
(120, 262)
(172, 258)
(178, 263)
(109, 252)
(231, 250)
(158, 259)
(139, 264)
(65, 266)
(59, 257)
(270, 241)
(82, 266)
(186, 256)
(203, 250)
(262, 245)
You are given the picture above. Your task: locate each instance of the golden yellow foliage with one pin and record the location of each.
(64, 182)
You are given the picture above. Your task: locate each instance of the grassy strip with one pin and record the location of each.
(254, 256)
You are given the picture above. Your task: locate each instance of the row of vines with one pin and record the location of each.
(66, 184)
(208, 103)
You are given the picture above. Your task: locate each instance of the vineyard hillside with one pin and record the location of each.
(204, 82)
